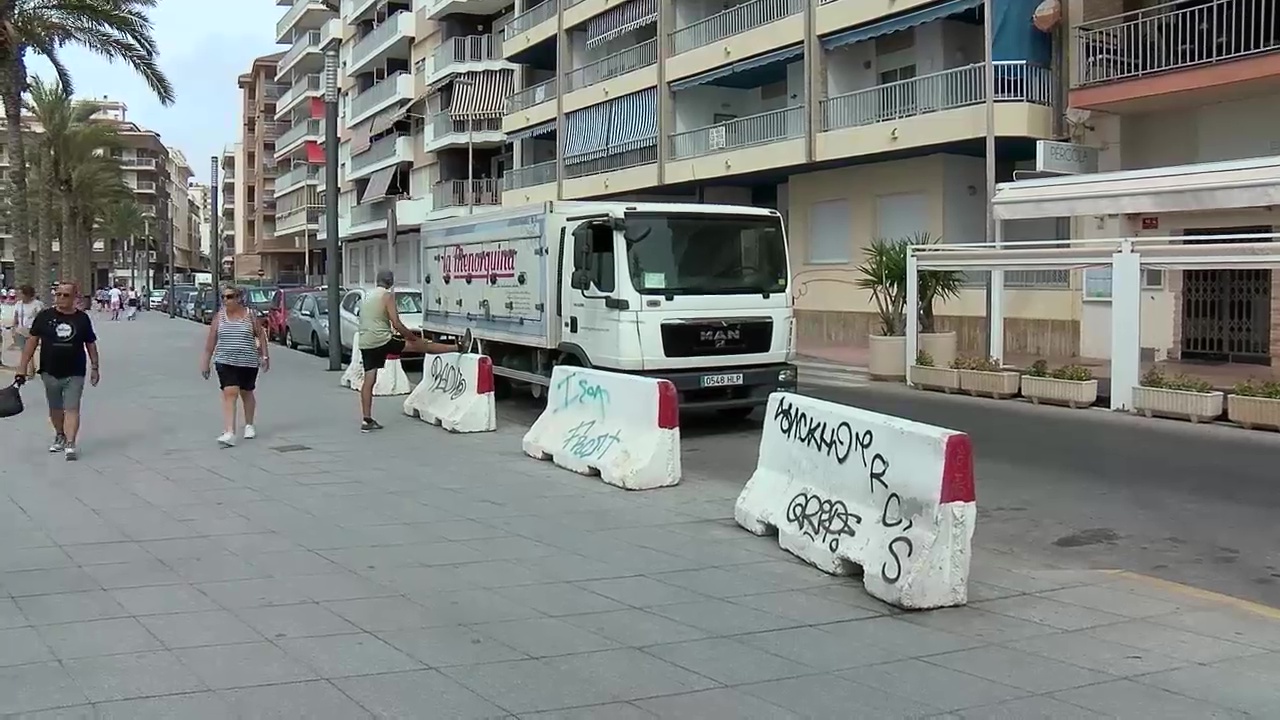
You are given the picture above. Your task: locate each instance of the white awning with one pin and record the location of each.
(379, 185)
(1181, 188)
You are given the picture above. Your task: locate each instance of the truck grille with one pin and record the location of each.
(717, 337)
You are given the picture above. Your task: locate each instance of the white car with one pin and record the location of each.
(408, 304)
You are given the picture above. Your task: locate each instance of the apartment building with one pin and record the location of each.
(200, 208)
(228, 220)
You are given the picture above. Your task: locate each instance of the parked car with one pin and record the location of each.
(282, 301)
(187, 304)
(205, 305)
(178, 292)
(155, 300)
(408, 304)
(308, 323)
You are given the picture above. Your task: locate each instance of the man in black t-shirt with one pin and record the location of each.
(64, 336)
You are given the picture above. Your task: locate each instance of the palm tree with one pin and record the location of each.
(93, 183)
(113, 29)
(122, 226)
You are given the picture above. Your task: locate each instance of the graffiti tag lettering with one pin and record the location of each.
(822, 520)
(584, 441)
(576, 390)
(447, 378)
(836, 441)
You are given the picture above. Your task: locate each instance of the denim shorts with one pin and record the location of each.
(63, 393)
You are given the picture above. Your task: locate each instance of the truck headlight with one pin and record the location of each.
(787, 375)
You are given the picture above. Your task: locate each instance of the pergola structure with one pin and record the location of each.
(1186, 188)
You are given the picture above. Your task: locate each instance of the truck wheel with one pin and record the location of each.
(501, 388)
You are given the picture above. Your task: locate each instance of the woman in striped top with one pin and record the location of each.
(237, 347)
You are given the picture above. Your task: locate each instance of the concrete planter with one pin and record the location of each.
(940, 346)
(1072, 393)
(935, 378)
(888, 357)
(1254, 412)
(1000, 384)
(1162, 402)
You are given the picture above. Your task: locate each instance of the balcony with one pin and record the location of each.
(305, 15)
(936, 109)
(531, 106)
(306, 86)
(370, 102)
(298, 176)
(308, 43)
(530, 184)
(437, 9)
(454, 194)
(621, 73)
(1163, 54)
(139, 163)
(750, 16)
(530, 28)
(144, 186)
(297, 219)
(310, 129)
(384, 153)
(394, 35)
(447, 130)
(273, 91)
(460, 54)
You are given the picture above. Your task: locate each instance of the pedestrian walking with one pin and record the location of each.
(131, 302)
(379, 325)
(65, 338)
(117, 302)
(24, 313)
(237, 347)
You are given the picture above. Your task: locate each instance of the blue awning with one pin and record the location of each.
(532, 132)
(634, 121)
(741, 66)
(620, 19)
(901, 22)
(587, 133)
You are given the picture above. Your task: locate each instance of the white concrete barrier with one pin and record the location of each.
(846, 487)
(353, 373)
(456, 393)
(392, 379)
(626, 428)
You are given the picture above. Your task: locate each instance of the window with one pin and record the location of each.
(600, 263)
(1097, 282)
(409, 302)
(902, 216)
(829, 232)
(351, 303)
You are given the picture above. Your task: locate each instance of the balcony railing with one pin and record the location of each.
(305, 84)
(529, 176)
(369, 212)
(739, 19)
(309, 40)
(375, 95)
(294, 12)
(144, 186)
(139, 163)
(380, 151)
(612, 66)
(739, 133)
(443, 124)
(297, 217)
(299, 131)
(299, 174)
(1169, 37)
(532, 95)
(377, 37)
(610, 163)
(530, 19)
(468, 48)
(273, 91)
(453, 193)
(1016, 81)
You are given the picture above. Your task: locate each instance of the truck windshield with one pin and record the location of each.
(703, 254)
(409, 302)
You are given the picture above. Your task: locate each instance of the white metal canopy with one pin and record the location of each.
(1180, 188)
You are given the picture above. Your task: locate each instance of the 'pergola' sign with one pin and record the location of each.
(1061, 158)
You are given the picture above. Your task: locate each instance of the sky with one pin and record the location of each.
(204, 46)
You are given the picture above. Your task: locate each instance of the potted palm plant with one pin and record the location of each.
(884, 273)
(936, 286)
(1255, 404)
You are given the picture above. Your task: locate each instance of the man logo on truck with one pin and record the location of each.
(479, 264)
(720, 337)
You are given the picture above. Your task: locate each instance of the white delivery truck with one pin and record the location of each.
(696, 294)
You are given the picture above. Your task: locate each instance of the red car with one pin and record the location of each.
(276, 307)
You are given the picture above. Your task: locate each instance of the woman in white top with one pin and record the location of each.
(23, 313)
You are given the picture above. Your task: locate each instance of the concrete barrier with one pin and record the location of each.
(456, 393)
(625, 428)
(392, 379)
(847, 488)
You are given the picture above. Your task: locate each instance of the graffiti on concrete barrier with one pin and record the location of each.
(447, 378)
(900, 548)
(822, 520)
(576, 389)
(586, 441)
(835, 440)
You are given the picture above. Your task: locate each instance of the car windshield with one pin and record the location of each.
(702, 254)
(259, 297)
(409, 302)
(157, 293)
(322, 305)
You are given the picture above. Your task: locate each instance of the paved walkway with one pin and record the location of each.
(319, 573)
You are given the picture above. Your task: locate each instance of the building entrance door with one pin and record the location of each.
(1226, 314)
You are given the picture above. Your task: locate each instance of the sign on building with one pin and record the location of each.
(1060, 158)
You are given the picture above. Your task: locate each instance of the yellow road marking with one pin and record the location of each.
(1249, 606)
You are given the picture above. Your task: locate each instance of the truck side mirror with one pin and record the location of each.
(580, 280)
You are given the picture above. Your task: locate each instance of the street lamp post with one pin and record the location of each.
(215, 238)
(171, 259)
(989, 72)
(332, 255)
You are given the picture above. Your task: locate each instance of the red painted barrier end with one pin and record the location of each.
(668, 406)
(484, 375)
(957, 470)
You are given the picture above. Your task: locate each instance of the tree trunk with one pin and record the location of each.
(67, 244)
(13, 80)
(90, 274)
(43, 205)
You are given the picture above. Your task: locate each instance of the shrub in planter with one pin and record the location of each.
(1255, 404)
(1180, 396)
(1071, 385)
(928, 377)
(986, 376)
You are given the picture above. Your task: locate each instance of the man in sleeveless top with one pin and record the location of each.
(379, 325)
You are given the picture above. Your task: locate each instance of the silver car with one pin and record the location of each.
(308, 323)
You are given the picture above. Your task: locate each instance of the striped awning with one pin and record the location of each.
(741, 66)
(545, 128)
(633, 121)
(481, 94)
(383, 121)
(379, 185)
(619, 20)
(587, 133)
(911, 19)
(360, 137)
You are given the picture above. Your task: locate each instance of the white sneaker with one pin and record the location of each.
(227, 439)
(249, 432)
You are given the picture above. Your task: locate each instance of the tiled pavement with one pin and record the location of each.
(416, 574)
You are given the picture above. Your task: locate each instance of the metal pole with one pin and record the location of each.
(306, 254)
(332, 256)
(215, 236)
(171, 259)
(471, 159)
(989, 70)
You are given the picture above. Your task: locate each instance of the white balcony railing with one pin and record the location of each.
(144, 186)
(532, 95)
(297, 217)
(374, 96)
(453, 193)
(738, 133)
(1172, 36)
(612, 163)
(530, 19)
(366, 213)
(443, 124)
(378, 37)
(304, 85)
(465, 49)
(298, 175)
(307, 41)
(139, 163)
(380, 151)
(1016, 81)
(530, 175)
(301, 130)
(612, 66)
(735, 20)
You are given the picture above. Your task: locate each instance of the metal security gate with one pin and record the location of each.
(1226, 314)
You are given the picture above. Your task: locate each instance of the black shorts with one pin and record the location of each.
(376, 358)
(245, 378)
